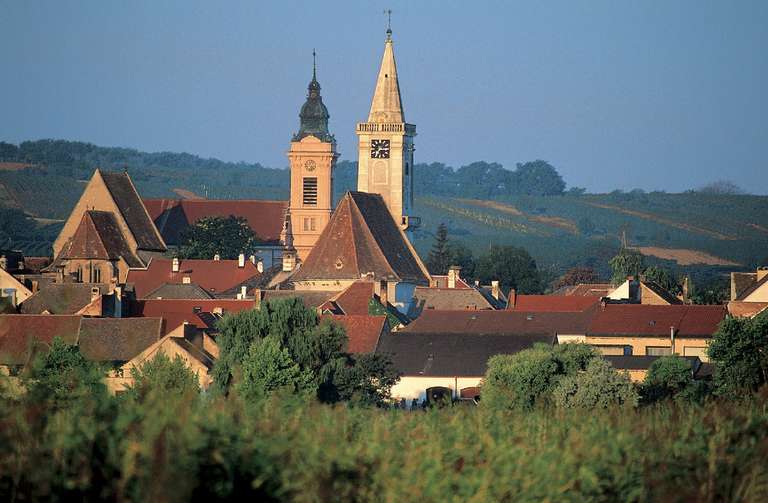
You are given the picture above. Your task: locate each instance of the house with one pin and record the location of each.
(12, 289)
(219, 278)
(640, 291)
(265, 218)
(363, 241)
(447, 293)
(364, 331)
(637, 366)
(93, 299)
(636, 329)
(586, 289)
(22, 337)
(450, 349)
(455, 361)
(108, 232)
(353, 300)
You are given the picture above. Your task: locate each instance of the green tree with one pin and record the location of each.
(739, 350)
(522, 380)
(599, 386)
(439, 257)
(369, 380)
(672, 377)
(576, 276)
(228, 237)
(627, 262)
(162, 375)
(63, 374)
(538, 178)
(462, 257)
(268, 367)
(662, 277)
(513, 267)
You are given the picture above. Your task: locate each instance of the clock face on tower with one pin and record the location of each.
(379, 149)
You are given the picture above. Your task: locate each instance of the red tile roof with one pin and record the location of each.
(355, 298)
(499, 322)
(363, 331)
(639, 319)
(215, 276)
(175, 312)
(362, 238)
(746, 309)
(19, 333)
(588, 289)
(172, 216)
(551, 303)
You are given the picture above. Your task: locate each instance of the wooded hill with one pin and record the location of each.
(481, 203)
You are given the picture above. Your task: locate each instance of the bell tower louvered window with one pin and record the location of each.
(310, 191)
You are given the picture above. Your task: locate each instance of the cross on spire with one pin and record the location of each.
(388, 12)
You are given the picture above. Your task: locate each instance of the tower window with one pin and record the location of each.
(96, 275)
(309, 224)
(406, 169)
(310, 191)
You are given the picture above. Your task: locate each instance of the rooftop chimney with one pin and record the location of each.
(260, 265)
(175, 265)
(495, 289)
(241, 260)
(252, 258)
(217, 257)
(512, 297)
(289, 260)
(453, 275)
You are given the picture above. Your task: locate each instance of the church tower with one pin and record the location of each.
(312, 158)
(385, 159)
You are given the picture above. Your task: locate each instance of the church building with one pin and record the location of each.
(312, 158)
(385, 152)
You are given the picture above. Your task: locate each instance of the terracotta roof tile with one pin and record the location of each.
(311, 298)
(363, 331)
(362, 238)
(552, 303)
(450, 299)
(19, 334)
(746, 309)
(173, 216)
(117, 339)
(176, 311)
(133, 211)
(215, 276)
(179, 291)
(587, 289)
(500, 323)
(648, 320)
(355, 298)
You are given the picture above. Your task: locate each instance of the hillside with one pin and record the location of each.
(481, 203)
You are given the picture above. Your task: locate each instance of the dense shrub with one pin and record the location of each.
(600, 386)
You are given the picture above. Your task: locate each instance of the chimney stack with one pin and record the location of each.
(252, 258)
(512, 298)
(175, 265)
(217, 257)
(495, 289)
(260, 265)
(241, 260)
(453, 275)
(289, 260)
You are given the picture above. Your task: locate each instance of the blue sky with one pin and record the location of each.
(616, 94)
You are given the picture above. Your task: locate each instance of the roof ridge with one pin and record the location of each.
(370, 235)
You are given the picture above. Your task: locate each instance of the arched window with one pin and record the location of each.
(79, 274)
(95, 275)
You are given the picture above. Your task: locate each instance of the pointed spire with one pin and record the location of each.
(314, 65)
(387, 105)
(314, 115)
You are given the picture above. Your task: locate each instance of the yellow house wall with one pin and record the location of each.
(759, 295)
(7, 281)
(639, 344)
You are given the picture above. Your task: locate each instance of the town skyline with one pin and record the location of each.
(598, 130)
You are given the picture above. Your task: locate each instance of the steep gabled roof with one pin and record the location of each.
(354, 299)
(656, 321)
(214, 276)
(753, 288)
(451, 355)
(117, 339)
(746, 309)
(98, 237)
(173, 216)
(133, 211)
(362, 238)
(450, 299)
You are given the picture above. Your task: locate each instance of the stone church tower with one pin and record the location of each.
(385, 160)
(312, 158)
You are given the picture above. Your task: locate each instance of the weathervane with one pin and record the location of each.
(388, 12)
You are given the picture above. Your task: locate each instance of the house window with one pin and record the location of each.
(658, 350)
(614, 349)
(79, 274)
(310, 191)
(309, 224)
(95, 275)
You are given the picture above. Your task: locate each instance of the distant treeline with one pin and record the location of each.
(78, 160)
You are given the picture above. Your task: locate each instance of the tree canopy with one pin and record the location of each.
(513, 267)
(228, 237)
(739, 350)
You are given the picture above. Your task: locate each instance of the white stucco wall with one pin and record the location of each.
(411, 387)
